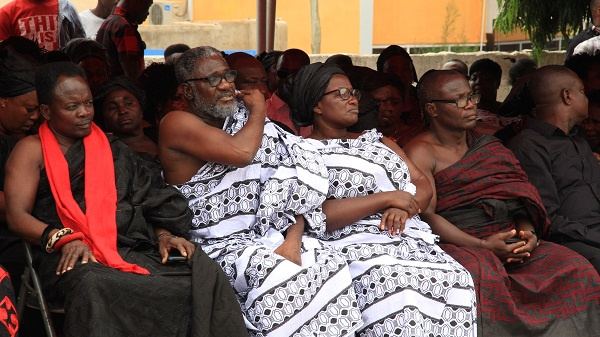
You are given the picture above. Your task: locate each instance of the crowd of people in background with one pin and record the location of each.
(231, 195)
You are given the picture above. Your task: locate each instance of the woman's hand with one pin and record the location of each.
(393, 220)
(505, 252)
(71, 253)
(404, 201)
(290, 251)
(168, 242)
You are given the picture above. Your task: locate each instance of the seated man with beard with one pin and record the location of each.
(253, 189)
(103, 227)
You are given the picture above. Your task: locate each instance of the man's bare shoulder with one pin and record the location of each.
(180, 118)
(29, 143)
(28, 149)
(422, 152)
(181, 125)
(421, 143)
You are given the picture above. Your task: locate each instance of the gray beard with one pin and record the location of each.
(213, 109)
(220, 111)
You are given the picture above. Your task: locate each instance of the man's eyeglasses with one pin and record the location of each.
(461, 102)
(345, 93)
(216, 79)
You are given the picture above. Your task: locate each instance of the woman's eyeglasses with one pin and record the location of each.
(345, 93)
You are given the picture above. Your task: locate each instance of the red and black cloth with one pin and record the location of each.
(488, 171)
(8, 313)
(555, 291)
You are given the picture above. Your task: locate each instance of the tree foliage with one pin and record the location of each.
(543, 20)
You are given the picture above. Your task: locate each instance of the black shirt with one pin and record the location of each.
(583, 36)
(567, 175)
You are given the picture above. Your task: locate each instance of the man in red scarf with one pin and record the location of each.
(104, 223)
(525, 287)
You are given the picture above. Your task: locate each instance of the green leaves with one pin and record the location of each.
(543, 20)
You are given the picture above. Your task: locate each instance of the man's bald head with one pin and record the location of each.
(547, 84)
(430, 84)
(458, 65)
(558, 95)
(292, 60)
(439, 94)
(241, 60)
(251, 73)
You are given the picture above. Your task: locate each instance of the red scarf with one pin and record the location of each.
(98, 224)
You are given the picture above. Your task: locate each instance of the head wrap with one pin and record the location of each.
(269, 59)
(388, 53)
(117, 84)
(307, 88)
(17, 72)
(80, 49)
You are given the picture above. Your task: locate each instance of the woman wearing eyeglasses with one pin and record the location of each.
(405, 283)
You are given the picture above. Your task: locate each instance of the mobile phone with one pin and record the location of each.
(513, 240)
(176, 259)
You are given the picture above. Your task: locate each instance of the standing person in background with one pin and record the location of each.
(92, 19)
(51, 23)
(119, 35)
(588, 33)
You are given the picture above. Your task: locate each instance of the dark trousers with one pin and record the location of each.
(591, 253)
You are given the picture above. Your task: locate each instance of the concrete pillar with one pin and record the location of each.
(366, 27)
(261, 26)
(271, 9)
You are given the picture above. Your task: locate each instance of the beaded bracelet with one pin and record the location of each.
(55, 238)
